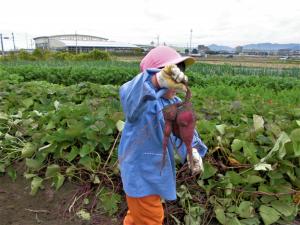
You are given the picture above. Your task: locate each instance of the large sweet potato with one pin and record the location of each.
(180, 120)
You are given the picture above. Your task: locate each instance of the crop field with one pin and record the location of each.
(60, 122)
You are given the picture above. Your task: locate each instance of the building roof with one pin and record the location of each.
(107, 44)
(63, 35)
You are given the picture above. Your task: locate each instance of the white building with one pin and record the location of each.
(81, 43)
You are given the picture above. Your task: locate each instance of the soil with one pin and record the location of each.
(47, 207)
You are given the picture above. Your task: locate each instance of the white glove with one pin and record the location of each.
(178, 75)
(171, 77)
(198, 163)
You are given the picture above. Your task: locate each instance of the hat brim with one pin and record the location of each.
(186, 59)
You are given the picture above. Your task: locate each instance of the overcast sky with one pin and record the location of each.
(223, 22)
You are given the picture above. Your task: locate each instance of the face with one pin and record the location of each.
(170, 93)
(181, 66)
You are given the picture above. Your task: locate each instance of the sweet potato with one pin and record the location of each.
(169, 113)
(180, 120)
(186, 122)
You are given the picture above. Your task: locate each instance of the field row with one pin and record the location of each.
(117, 73)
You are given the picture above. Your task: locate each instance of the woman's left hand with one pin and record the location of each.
(198, 163)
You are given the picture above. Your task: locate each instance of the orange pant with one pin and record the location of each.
(144, 211)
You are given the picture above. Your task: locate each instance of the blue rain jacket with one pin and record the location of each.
(140, 150)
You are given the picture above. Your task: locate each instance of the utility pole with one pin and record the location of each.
(26, 36)
(191, 41)
(2, 48)
(157, 40)
(13, 39)
(76, 41)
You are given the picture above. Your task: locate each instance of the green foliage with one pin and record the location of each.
(42, 55)
(98, 55)
(109, 201)
(24, 55)
(104, 71)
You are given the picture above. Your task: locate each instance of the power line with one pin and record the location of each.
(1, 39)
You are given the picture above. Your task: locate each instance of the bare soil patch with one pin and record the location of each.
(47, 207)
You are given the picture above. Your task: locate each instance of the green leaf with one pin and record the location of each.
(72, 155)
(74, 130)
(58, 180)
(232, 209)
(267, 199)
(8, 137)
(220, 215)
(258, 122)
(191, 220)
(36, 183)
(268, 214)
(109, 201)
(265, 188)
(3, 116)
(221, 128)
(86, 161)
(273, 128)
(27, 102)
(285, 208)
(28, 150)
(250, 221)
(246, 209)
(298, 122)
(34, 163)
(234, 177)
(12, 173)
(120, 125)
(252, 179)
(52, 170)
(278, 147)
(29, 175)
(105, 142)
(250, 152)
(209, 171)
(295, 137)
(85, 150)
(233, 221)
(2, 167)
(50, 125)
(237, 145)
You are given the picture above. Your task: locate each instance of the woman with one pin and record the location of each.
(140, 150)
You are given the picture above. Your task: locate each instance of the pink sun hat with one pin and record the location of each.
(163, 55)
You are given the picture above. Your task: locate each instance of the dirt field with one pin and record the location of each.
(18, 207)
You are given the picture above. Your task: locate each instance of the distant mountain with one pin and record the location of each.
(214, 47)
(271, 46)
(258, 47)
